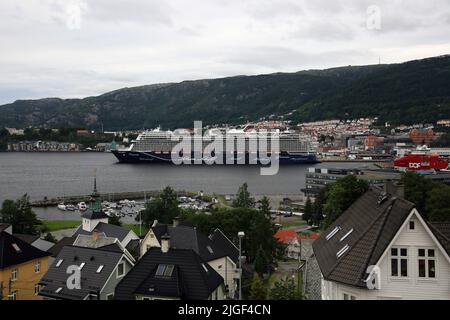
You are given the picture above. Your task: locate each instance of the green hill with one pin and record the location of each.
(415, 91)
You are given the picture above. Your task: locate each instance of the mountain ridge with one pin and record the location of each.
(399, 93)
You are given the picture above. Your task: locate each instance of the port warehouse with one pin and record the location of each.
(318, 178)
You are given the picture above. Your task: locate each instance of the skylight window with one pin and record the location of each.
(160, 270)
(100, 269)
(58, 290)
(342, 251)
(333, 233)
(346, 235)
(16, 247)
(82, 265)
(164, 270)
(210, 249)
(59, 262)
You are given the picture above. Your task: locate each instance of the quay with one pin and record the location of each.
(138, 195)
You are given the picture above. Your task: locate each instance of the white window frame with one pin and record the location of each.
(399, 258)
(37, 267)
(349, 295)
(14, 273)
(38, 287)
(427, 258)
(117, 270)
(110, 295)
(416, 223)
(13, 295)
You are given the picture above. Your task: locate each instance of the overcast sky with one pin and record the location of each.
(79, 48)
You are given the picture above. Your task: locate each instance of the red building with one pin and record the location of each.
(421, 136)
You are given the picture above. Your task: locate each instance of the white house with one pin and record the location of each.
(381, 248)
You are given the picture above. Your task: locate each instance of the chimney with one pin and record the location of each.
(176, 222)
(165, 243)
(155, 222)
(95, 235)
(395, 189)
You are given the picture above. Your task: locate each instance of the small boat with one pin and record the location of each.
(82, 206)
(62, 207)
(70, 207)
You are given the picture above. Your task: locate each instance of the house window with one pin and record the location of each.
(14, 275)
(37, 267)
(13, 295)
(412, 225)
(349, 297)
(427, 263)
(37, 289)
(399, 262)
(121, 269)
(110, 296)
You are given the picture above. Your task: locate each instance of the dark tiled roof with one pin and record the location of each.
(109, 230)
(441, 230)
(190, 281)
(94, 215)
(209, 248)
(225, 244)
(4, 226)
(133, 247)
(9, 256)
(91, 281)
(26, 237)
(66, 241)
(374, 226)
(163, 286)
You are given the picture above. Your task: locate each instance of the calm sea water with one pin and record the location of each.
(62, 174)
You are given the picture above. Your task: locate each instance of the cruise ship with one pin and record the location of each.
(157, 146)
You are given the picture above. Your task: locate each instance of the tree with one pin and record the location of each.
(343, 193)
(163, 208)
(258, 290)
(265, 207)
(260, 262)
(308, 211)
(20, 216)
(115, 220)
(417, 190)
(243, 198)
(438, 203)
(285, 289)
(50, 238)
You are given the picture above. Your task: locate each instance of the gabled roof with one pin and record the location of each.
(26, 237)
(4, 226)
(362, 234)
(91, 280)
(185, 237)
(225, 244)
(192, 279)
(66, 241)
(14, 251)
(441, 231)
(95, 215)
(109, 230)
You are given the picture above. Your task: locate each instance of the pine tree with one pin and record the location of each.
(308, 211)
(243, 198)
(258, 290)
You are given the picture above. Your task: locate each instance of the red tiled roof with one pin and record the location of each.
(313, 236)
(286, 236)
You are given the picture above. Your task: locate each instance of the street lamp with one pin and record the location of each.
(241, 234)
